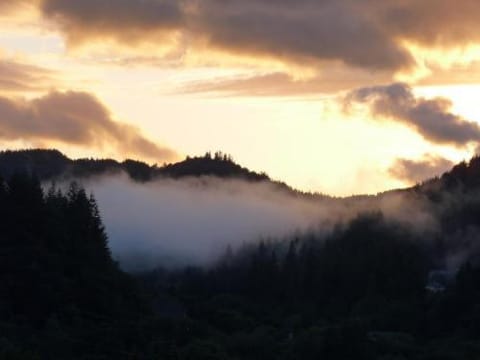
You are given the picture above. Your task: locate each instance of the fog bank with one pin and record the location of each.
(180, 222)
(192, 221)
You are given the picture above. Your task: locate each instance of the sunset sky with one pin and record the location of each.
(335, 96)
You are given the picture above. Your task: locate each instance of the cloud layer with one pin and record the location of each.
(369, 34)
(76, 118)
(431, 118)
(19, 77)
(125, 20)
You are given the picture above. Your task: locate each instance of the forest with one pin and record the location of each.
(52, 164)
(373, 288)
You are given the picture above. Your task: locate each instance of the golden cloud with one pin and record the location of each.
(75, 118)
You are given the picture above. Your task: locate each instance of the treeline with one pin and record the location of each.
(359, 294)
(366, 257)
(52, 164)
(61, 294)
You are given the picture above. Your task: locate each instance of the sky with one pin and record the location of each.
(334, 96)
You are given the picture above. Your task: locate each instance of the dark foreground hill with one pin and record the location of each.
(61, 294)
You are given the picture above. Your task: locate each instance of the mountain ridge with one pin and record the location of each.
(51, 164)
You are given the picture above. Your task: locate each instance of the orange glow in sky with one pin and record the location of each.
(186, 83)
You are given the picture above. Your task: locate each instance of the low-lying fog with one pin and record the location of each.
(177, 222)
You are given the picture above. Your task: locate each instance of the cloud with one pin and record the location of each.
(453, 74)
(19, 77)
(369, 34)
(302, 31)
(431, 118)
(425, 21)
(125, 20)
(76, 118)
(416, 171)
(9, 5)
(281, 84)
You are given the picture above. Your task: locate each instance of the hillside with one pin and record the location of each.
(50, 164)
(375, 287)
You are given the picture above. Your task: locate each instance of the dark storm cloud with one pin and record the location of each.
(429, 117)
(75, 118)
(415, 171)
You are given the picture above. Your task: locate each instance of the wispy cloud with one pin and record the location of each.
(336, 79)
(21, 77)
(416, 171)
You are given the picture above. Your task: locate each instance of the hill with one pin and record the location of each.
(50, 164)
(373, 288)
